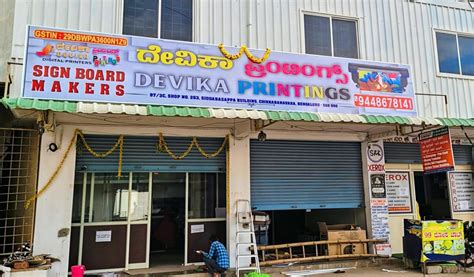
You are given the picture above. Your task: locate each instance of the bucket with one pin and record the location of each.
(78, 270)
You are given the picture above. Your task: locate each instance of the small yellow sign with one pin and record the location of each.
(442, 238)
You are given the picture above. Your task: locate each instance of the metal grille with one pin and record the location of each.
(18, 171)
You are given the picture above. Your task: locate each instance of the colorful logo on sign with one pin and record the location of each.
(45, 51)
(105, 56)
(375, 153)
(380, 81)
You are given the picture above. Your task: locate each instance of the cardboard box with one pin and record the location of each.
(346, 232)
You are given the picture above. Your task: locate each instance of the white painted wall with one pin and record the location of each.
(54, 206)
(397, 31)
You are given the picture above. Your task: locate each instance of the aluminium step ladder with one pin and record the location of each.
(246, 256)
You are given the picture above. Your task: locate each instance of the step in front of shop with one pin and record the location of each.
(357, 263)
(277, 269)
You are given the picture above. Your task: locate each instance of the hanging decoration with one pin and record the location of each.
(245, 50)
(79, 133)
(255, 59)
(229, 55)
(119, 144)
(162, 146)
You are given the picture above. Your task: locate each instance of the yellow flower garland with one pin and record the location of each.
(229, 55)
(255, 59)
(79, 133)
(245, 50)
(218, 151)
(162, 146)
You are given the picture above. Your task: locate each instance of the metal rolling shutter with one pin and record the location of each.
(140, 155)
(306, 175)
(410, 153)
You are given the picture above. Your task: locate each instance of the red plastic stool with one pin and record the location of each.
(78, 270)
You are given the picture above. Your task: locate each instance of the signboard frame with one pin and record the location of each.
(451, 196)
(432, 137)
(410, 195)
(346, 85)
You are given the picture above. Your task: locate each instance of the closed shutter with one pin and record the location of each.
(305, 175)
(139, 154)
(410, 153)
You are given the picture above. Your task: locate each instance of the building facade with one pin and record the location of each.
(299, 167)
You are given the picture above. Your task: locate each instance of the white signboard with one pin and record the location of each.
(462, 191)
(398, 192)
(103, 236)
(82, 66)
(378, 196)
(197, 228)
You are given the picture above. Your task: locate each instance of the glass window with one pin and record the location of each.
(202, 195)
(317, 35)
(140, 18)
(176, 19)
(110, 197)
(345, 38)
(221, 189)
(207, 195)
(466, 50)
(139, 196)
(77, 198)
(447, 53)
(317, 30)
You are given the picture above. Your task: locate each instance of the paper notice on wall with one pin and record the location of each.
(398, 192)
(103, 236)
(378, 196)
(199, 228)
(462, 191)
(380, 229)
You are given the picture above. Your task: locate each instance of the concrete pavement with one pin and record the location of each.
(378, 271)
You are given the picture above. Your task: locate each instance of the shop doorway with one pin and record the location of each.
(432, 195)
(167, 225)
(145, 219)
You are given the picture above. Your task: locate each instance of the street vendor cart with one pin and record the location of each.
(432, 241)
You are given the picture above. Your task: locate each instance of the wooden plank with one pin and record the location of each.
(297, 244)
(21, 265)
(318, 258)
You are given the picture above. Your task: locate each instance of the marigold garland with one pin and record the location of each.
(79, 133)
(162, 146)
(229, 55)
(255, 59)
(245, 50)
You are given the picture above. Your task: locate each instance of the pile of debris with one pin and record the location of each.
(23, 259)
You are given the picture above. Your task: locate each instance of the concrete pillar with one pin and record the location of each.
(239, 187)
(54, 206)
(376, 203)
